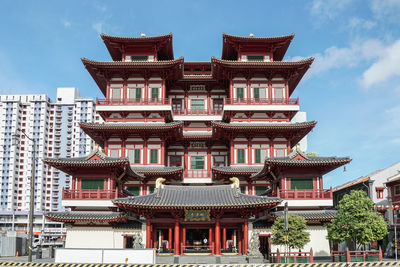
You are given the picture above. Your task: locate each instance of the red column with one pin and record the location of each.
(155, 239)
(176, 243)
(186, 101)
(145, 151)
(146, 89)
(124, 90)
(250, 188)
(217, 237)
(209, 159)
(224, 238)
(232, 152)
(185, 160)
(148, 233)
(240, 241)
(245, 235)
(170, 238)
(249, 152)
(210, 238)
(123, 148)
(163, 89)
(163, 151)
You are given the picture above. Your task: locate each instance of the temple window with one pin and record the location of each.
(280, 150)
(116, 93)
(278, 93)
(259, 93)
(175, 161)
(219, 160)
(92, 184)
(154, 93)
(240, 92)
(133, 189)
(114, 153)
(134, 156)
(135, 93)
(243, 189)
(139, 58)
(197, 163)
(240, 155)
(176, 104)
(253, 58)
(260, 189)
(153, 156)
(301, 183)
(259, 155)
(397, 190)
(379, 192)
(197, 104)
(218, 104)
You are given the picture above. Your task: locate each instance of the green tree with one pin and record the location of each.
(298, 237)
(356, 221)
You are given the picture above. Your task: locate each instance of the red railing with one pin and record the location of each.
(197, 174)
(306, 194)
(261, 101)
(94, 194)
(196, 112)
(291, 257)
(356, 256)
(134, 101)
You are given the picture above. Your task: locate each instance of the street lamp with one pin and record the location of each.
(32, 196)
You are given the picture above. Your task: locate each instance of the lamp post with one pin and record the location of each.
(395, 235)
(32, 195)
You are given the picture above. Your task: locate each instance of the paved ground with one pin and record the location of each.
(24, 259)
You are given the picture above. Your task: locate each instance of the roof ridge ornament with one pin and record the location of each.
(159, 182)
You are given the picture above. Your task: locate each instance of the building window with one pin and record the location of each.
(197, 162)
(92, 184)
(116, 93)
(153, 156)
(197, 104)
(397, 190)
(154, 93)
(114, 153)
(240, 93)
(134, 190)
(139, 58)
(175, 161)
(379, 192)
(259, 93)
(260, 189)
(134, 156)
(176, 104)
(255, 58)
(135, 93)
(219, 160)
(260, 155)
(240, 155)
(278, 93)
(301, 183)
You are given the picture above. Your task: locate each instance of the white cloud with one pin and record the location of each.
(356, 23)
(66, 24)
(329, 9)
(386, 9)
(98, 27)
(385, 68)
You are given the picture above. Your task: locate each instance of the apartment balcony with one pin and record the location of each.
(309, 194)
(278, 104)
(197, 114)
(89, 194)
(134, 104)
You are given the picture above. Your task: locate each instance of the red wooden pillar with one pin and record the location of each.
(232, 150)
(217, 237)
(210, 239)
(245, 235)
(250, 188)
(176, 243)
(208, 159)
(146, 89)
(163, 90)
(185, 160)
(124, 91)
(209, 102)
(148, 233)
(123, 148)
(145, 151)
(163, 151)
(170, 238)
(249, 152)
(186, 101)
(224, 238)
(248, 86)
(155, 239)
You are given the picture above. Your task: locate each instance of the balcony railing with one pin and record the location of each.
(261, 101)
(93, 194)
(196, 112)
(197, 174)
(305, 194)
(133, 101)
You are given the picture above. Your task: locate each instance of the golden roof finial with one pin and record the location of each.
(159, 182)
(235, 182)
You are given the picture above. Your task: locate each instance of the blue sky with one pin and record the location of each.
(352, 89)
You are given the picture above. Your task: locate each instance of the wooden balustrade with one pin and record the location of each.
(356, 256)
(306, 194)
(196, 112)
(197, 174)
(133, 101)
(93, 194)
(291, 257)
(261, 101)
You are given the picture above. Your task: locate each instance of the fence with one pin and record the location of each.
(291, 257)
(356, 256)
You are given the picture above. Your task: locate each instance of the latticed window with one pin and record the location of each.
(240, 92)
(134, 156)
(116, 93)
(134, 190)
(154, 93)
(301, 183)
(260, 189)
(135, 93)
(278, 93)
(197, 162)
(139, 58)
(255, 58)
(92, 184)
(197, 104)
(154, 156)
(260, 155)
(240, 155)
(259, 92)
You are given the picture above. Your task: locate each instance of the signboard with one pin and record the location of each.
(197, 145)
(197, 215)
(197, 88)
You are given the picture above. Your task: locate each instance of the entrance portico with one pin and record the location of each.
(197, 219)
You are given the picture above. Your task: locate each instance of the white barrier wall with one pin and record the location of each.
(132, 256)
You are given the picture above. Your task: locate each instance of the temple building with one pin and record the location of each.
(193, 157)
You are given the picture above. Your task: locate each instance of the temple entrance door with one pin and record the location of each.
(128, 241)
(264, 245)
(197, 241)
